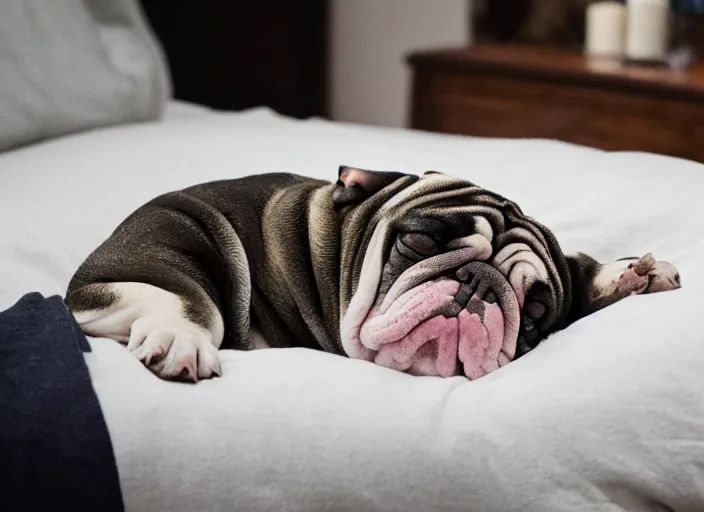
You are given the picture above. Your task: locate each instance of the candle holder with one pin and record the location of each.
(605, 29)
(648, 32)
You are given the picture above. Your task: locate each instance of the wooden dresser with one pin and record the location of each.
(522, 91)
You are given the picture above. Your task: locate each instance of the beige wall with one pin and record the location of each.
(370, 80)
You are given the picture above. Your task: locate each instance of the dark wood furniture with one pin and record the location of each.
(523, 91)
(233, 55)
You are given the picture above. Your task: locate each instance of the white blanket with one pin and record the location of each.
(606, 415)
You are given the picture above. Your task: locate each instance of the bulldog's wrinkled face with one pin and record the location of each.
(454, 280)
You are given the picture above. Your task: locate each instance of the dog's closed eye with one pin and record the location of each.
(420, 243)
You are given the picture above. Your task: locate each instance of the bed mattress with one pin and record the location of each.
(605, 415)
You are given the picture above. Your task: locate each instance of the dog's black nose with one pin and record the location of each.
(463, 295)
(489, 296)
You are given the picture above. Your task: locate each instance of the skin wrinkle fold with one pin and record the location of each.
(378, 318)
(430, 267)
(417, 194)
(383, 323)
(363, 299)
(359, 222)
(517, 267)
(487, 340)
(542, 249)
(556, 289)
(406, 355)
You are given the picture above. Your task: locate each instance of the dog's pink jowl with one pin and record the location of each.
(425, 332)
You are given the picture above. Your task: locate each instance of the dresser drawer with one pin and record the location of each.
(496, 103)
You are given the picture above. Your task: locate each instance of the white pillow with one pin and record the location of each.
(70, 65)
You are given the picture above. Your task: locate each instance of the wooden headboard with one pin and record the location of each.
(234, 55)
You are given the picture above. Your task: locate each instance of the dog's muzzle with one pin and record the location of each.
(461, 322)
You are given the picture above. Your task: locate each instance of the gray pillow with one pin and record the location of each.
(71, 65)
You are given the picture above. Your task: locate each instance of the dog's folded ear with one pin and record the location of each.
(355, 185)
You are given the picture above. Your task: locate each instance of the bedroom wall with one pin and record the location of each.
(369, 80)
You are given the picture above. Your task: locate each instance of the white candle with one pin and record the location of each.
(648, 30)
(606, 29)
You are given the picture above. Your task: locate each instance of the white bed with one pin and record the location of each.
(606, 415)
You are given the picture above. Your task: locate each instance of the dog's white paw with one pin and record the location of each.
(174, 348)
(634, 276)
(647, 275)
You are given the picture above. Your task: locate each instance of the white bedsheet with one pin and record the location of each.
(606, 415)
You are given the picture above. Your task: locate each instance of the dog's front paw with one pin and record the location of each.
(174, 348)
(647, 275)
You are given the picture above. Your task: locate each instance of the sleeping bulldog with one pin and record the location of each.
(429, 275)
